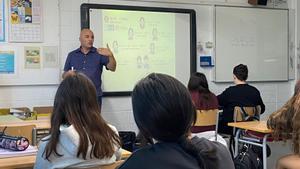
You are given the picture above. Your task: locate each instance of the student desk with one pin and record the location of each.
(28, 161)
(257, 126)
(42, 125)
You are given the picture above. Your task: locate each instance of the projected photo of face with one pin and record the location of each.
(154, 34)
(115, 46)
(139, 62)
(142, 22)
(152, 48)
(106, 19)
(130, 34)
(146, 62)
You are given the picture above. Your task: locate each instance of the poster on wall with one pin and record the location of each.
(32, 57)
(2, 27)
(25, 21)
(7, 62)
(50, 56)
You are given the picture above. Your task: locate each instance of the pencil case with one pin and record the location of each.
(14, 143)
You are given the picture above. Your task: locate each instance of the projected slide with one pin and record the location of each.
(142, 42)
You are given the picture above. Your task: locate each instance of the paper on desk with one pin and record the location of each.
(31, 150)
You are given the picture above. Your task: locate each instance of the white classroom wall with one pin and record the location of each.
(117, 110)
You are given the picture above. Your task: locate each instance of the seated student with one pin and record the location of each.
(285, 121)
(202, 97)
(79, 137)
(242, 94)
(163, 110)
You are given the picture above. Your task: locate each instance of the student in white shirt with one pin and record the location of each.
(79, 137)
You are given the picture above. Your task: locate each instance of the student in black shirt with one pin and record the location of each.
(242, 94)
(164, 112)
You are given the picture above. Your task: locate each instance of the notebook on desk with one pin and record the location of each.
(5, 153)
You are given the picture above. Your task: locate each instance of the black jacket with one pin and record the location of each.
(172, 156)
(240, 95)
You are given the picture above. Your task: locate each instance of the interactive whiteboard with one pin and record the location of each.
(143, 40)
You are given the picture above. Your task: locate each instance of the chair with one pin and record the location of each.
(249, 137)
(28, 131)
(208, 118)
(24, 109)
(4, 111)
(246, 113)
(43, 109)
(243, 114)
(43, 112)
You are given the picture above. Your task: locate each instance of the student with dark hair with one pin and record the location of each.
(202, 97)
(79, 137)
(242, 94)
(164, 112)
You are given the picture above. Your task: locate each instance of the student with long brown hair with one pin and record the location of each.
(285, 122)
(79, 137)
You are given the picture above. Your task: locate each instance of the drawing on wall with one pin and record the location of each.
(50, 56)
(2, 27)
(7, 62)
(32, 57)
(25, 21)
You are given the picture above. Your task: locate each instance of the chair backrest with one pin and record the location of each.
(206, 117)
(24, 109)
(246, 113)
(27, 131)
(4, 111)
(43, 109)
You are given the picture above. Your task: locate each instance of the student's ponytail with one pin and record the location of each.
(191, 149)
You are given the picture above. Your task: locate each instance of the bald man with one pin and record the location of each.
(90, 60)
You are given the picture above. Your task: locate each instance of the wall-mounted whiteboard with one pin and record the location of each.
(257, 37)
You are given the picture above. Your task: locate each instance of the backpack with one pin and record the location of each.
(127, 139)
(247, 159)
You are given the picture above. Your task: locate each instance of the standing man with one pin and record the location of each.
(90, 60)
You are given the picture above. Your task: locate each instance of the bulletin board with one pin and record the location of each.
(30, 60)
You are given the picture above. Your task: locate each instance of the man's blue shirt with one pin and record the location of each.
(91, 64)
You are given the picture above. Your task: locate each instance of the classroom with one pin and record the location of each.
(35, 78)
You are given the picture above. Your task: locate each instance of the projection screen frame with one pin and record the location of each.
(85, 23)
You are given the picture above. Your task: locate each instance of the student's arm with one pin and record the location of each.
(112, 64)
(40, 161)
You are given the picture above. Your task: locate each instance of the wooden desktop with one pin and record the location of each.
(28, 161)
